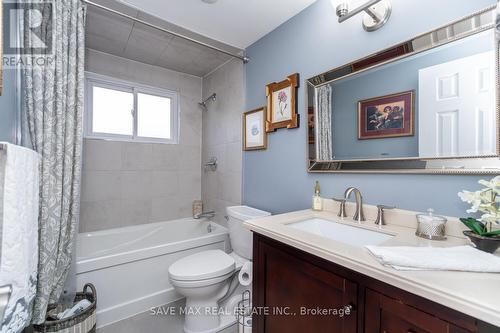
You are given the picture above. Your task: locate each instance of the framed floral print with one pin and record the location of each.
(282, 104)
(386, 116)
(254, 129)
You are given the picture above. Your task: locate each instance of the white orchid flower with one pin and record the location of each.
(490, 218)
(473, 198)
(493, 184)
(485, 201)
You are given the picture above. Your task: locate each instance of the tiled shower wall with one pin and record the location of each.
(127, 183)
(222, 138)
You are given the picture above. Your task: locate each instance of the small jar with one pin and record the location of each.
(431, 226)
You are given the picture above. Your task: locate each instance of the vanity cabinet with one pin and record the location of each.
(386, 314)
(287, 281)
(295, 293)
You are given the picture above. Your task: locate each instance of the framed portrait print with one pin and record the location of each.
(386, 116)
(282, 104)
(254, 129)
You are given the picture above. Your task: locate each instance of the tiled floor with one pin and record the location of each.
(147, 323)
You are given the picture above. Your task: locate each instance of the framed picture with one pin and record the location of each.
(386, 116)
(254, 129)
(282, 104)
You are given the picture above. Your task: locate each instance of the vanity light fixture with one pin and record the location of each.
(377, 12)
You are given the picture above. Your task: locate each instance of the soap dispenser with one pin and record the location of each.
(317, 203)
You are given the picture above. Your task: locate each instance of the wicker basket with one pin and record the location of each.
(83, 322)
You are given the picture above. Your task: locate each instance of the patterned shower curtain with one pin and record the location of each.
(324, 123)
(53, 111)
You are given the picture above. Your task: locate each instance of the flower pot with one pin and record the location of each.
(486, 244)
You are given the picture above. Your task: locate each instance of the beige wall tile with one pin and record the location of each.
(128, 183)
(233, 157)
(133, 212)
(100, 215)
(137, 156)
(166, 157)
(100, 185)
(190, 158)
(170, 208)
(136, 184)
(162, 209)
(222, 139)
(167, 183)
(189, 183)
(132, 183)
(102, 155)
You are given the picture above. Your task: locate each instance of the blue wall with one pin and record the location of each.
(8, 101)
(313, 42)
(390, 79)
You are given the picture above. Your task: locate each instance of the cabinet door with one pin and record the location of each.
(387, 315)
(301, 297)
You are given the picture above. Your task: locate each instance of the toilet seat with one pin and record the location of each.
(203, 266)
(200, 283)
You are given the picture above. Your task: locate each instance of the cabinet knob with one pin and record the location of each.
(349, 308)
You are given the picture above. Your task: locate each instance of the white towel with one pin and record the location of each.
(458, 258)
(19, 233)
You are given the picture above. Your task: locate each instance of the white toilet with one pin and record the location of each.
(205, 277)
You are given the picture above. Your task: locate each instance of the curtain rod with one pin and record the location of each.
(242, 58)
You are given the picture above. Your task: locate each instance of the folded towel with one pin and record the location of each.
(19, 233)
(459, 258)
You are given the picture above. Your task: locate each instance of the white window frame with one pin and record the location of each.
(97, 80)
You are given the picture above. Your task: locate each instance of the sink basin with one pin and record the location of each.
(341, 233)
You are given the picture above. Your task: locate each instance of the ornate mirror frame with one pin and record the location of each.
(478, 22)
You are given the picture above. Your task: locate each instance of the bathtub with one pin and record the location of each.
(129, 266)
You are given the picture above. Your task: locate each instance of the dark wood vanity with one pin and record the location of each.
(291, 288)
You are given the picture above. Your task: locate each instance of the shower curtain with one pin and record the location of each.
(53, 118)
(324, 123)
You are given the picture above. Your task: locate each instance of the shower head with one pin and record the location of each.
(212, 98)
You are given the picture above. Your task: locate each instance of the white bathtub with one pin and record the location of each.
(129, 266)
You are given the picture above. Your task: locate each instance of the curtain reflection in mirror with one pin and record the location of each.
(324, 123)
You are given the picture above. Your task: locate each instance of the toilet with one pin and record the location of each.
(206, 277)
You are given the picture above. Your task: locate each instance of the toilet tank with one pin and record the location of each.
(241, 237)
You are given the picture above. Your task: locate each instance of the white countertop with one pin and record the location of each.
(475, 294)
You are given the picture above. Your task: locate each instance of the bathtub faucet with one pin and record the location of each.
(207, 215)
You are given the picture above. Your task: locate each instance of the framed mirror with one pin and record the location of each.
(427, 105)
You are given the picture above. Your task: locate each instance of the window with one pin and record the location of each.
(125, 111)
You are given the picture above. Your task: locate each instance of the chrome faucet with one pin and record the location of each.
(342, 212)
(359, 216)
(207, 215)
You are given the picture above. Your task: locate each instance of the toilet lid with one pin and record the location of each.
(203, 265)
